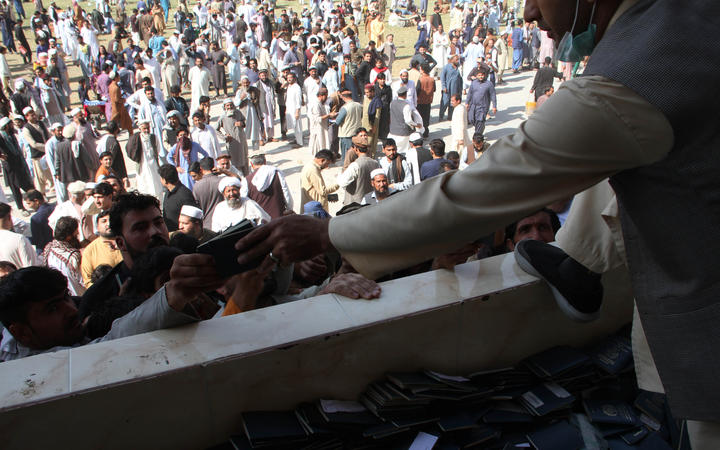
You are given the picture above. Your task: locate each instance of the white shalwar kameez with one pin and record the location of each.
(199, 85)
(225, 217)
(155, 113)
(207, 139)
(148, 180)
(293, 103)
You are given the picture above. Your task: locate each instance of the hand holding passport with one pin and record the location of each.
(222, 249)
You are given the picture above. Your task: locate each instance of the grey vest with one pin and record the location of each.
(670, 210)
(356, 190)
(398, 127)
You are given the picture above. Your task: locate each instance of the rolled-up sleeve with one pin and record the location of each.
(590, 129)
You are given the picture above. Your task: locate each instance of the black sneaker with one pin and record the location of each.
(577, 290)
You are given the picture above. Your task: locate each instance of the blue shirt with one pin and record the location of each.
(431, 168)
(517, 37)
(185, 177)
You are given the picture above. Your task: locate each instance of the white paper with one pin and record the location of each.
(423, 441)
(333, 406)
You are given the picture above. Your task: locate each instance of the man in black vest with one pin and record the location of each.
(36, 134)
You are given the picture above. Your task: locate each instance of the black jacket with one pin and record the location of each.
(174, 201)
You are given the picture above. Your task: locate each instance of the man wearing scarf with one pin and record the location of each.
(183, 154)
(397, 168)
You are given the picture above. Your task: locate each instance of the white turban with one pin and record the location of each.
(192, 212)
(376, 172)
(228, 181)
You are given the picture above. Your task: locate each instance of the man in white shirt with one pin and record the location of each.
(235, 208)
(398, 170)
(205, 135)
(409, 84)
(199, 77)
(293, 104)
(15, 247)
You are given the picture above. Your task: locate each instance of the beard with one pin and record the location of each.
(155, 241)
(234, 202)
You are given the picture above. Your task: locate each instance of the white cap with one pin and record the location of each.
(415, 137)
(174, 112)
(56, 125)
(228, 100)
(52, 51)
(19, 83)
(244, 77)
(228, 181)
(404, 71)
(75, 112)
(18, 117)
(4, 121)
(476, 39)
(27, 109)
(76, 187)
(90, 185)
(264, 44)
(112, 74)
(192, 212)
(376, 172)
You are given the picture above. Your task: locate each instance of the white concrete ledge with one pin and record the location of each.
(185, 387)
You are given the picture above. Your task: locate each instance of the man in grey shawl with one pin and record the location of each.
(231, 125)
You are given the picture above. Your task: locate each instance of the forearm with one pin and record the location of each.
(520, 174)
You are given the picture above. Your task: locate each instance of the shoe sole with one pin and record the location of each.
(560, 299)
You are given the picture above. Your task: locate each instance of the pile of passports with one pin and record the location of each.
(561, 398)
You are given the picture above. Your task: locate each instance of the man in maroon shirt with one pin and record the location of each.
(425, 92)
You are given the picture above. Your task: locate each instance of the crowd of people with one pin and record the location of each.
(114, 232)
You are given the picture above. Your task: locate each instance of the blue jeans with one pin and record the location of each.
(517, 58)
(345, 144)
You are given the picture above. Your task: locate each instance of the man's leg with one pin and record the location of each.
(480, 125)
(443, 106)
(283, 121)
(424, 111)
(298, 132)
(17, 195)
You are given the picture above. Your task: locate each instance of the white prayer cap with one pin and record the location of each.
(112, 74)
(376, 172)
(90, 185)
(42, 55)
(294, 39)
(174, 112)
(244, 77)
(192, 212)
(415, 137)
(76, 187)
(56, 125)
(228, 100)
(142, 121)
(404, 71)
(52, 51)
(18, 117)
(263, 44)
(27, 109)
(75, 112)
(176, 32)
(476, 39)
(4, 121)
(51, 40)
(228, 181)
(19, 84)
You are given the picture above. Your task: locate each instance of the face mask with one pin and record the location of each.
(575, 48)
